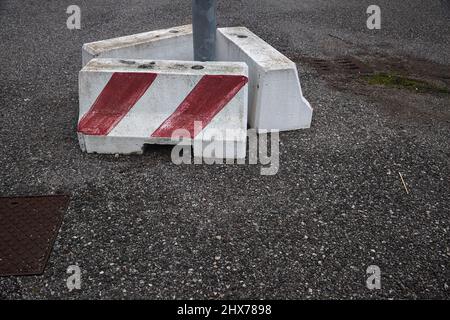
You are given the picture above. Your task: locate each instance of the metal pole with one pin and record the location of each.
(204, 26)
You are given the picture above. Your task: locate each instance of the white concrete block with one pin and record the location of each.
(125, 104)
(275, 96)
(167, 44)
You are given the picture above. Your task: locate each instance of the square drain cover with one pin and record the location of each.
(28, 230)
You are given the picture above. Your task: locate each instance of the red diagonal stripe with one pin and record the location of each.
(120, 94)
(206, 100)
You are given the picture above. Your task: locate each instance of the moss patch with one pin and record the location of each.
(399, 82)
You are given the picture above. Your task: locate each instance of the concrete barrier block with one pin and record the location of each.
(275, 96)
(126, 104)
(167, 44)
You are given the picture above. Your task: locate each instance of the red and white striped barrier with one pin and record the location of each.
(125, 104)
(276, 100)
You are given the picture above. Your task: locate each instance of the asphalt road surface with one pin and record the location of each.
(142, 227)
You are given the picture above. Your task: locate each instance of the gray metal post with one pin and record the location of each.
(204, 26)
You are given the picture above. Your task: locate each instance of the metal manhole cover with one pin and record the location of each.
(28, 230)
